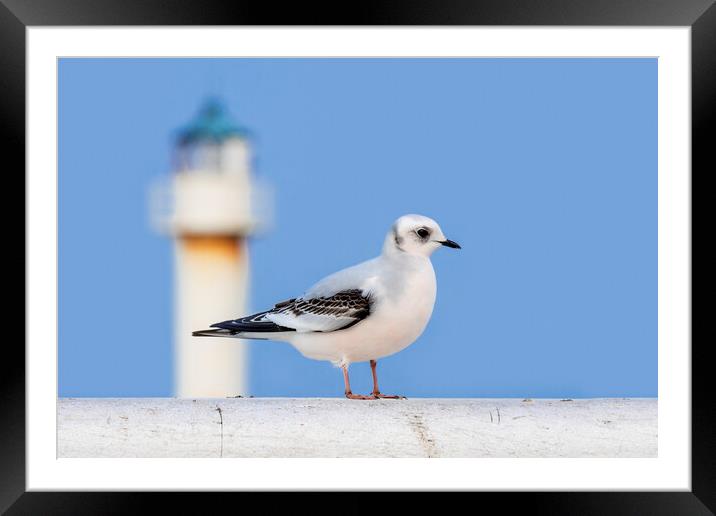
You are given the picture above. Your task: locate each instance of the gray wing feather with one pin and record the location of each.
(322, 313)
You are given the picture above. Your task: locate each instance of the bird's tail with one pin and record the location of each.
(252, 327)
(213, 333)
(241, 334)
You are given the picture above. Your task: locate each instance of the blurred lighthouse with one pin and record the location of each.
(210, 213)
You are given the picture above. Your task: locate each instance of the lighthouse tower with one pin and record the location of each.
(210, 217)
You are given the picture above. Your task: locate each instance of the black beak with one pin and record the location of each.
(450, 243)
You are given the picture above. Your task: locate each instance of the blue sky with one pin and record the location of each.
(545, 171)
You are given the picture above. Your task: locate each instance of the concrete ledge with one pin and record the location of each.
(333, 427)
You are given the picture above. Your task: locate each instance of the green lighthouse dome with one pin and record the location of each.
(212, 124)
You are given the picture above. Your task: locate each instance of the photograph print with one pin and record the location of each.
(357, 257)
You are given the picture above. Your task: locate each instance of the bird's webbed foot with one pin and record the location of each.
(379, 395)
(352, 396)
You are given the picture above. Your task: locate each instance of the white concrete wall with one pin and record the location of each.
(336, 427)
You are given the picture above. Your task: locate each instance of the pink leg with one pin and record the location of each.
(376, 391)
(350, 394)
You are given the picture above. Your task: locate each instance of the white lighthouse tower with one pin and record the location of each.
(210, 215)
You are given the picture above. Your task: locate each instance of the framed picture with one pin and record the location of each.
(192, 169)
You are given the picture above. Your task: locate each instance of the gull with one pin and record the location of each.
(359, 314)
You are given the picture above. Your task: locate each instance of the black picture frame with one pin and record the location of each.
(17, 15)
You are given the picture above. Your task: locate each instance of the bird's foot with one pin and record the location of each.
(352, 396)
(379, 395)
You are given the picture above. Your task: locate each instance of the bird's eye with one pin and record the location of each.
(423, 233)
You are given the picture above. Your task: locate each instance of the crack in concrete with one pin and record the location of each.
(417, 424)
(221, 423)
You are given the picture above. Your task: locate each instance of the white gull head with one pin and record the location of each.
(415, 235)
